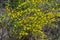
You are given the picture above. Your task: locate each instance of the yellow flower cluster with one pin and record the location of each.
(31, 18)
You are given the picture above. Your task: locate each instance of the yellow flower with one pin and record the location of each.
(26, 33)
(52, 20)
(33, 1)
(31, 18)
(50, 15)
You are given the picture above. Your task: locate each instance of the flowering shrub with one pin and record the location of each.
(30, 16)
